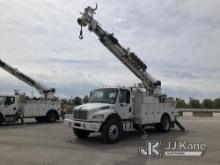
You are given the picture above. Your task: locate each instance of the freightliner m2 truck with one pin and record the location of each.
(114, 110)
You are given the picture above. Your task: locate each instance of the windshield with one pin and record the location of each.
(1, 99)
(105, 95)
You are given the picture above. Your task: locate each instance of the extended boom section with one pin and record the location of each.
(47, 92)
(129, 59)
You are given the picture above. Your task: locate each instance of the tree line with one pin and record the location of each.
(180, 103)
(195, 103)
(76, 101)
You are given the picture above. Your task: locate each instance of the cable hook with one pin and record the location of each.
(81, 34)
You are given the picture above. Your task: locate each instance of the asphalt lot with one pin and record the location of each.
(54, 144)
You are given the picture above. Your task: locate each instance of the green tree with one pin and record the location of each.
(216, 103)
(77, 101)
(85, 99)
(194, 103)
(64, 101)
(180, 103)
(207, 103)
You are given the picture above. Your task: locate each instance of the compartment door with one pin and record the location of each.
(151, 113)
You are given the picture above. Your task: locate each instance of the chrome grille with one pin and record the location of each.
(80, 114)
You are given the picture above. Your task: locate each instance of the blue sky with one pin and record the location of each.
(177, 39)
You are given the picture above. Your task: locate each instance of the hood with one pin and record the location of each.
(94, 106)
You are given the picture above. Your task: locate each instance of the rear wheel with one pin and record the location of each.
(111, 131)
(164, 125)
(82, 134)
(1, 119)
(51, 116)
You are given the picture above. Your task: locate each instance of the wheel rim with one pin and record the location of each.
(166, 123)
(113, 132)
(52, 117)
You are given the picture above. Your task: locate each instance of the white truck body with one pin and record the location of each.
(148, 109)
(132, 110)
(12, 108)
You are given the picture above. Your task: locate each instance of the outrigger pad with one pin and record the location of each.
(179, 125)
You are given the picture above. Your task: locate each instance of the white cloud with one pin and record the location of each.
(177, 39)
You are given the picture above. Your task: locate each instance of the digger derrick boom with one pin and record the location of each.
(129, 59)
(47, 92)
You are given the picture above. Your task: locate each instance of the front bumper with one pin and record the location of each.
(89, 126)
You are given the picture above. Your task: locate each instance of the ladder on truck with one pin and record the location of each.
(129, 59)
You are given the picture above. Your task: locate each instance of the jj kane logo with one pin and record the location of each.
(176, 148)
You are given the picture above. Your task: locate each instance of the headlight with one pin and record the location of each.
(100, 116)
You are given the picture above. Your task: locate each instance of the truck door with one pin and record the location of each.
(124, 106)
(10, 106)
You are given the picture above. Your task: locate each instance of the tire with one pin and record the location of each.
(164, 125)
(1, 119)
(112, 131)
(82, 134)
(51, 116)
(40, 119)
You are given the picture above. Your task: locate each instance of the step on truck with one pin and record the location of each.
(112, 111)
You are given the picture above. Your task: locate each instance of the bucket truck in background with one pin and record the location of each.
(20, 106)
(114, 110)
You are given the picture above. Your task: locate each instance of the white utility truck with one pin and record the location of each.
(19, 106)
(113, 110)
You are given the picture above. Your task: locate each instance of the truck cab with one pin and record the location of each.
(105, 101)
(115, 100)
(105, 104)
(8, 108)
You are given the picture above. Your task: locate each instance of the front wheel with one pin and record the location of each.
(82, 134)
(1, 119)
(111, 131)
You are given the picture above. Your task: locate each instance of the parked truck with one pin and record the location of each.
(114, 110)
(19, 106)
